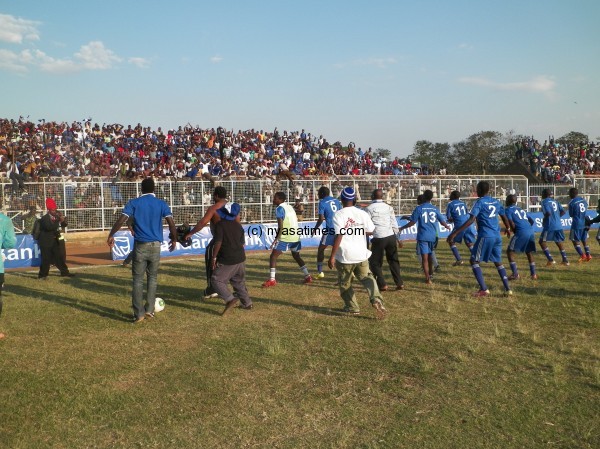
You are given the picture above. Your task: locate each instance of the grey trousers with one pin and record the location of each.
(234, 274)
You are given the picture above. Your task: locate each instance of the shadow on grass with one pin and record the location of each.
(79, 304)
(327, 311)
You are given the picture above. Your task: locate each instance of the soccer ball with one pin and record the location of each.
(159, 305)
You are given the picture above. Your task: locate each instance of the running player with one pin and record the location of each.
(328, 206)
(523, 239)
(427, 217)
(288, 237)
(577, 210)
(488, 246)
(552, 230)
(457, 213)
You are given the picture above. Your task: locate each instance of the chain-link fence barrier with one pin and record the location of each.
(96, 204)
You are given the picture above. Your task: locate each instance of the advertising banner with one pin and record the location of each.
(258, 237)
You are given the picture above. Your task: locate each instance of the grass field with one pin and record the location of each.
(442, 371)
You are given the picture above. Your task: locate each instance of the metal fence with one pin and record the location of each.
(96, 204)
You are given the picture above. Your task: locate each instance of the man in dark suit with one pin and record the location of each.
(49, 243)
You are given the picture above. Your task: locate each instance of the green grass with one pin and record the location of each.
(442, 371)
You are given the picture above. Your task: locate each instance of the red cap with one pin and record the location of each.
(50, 204)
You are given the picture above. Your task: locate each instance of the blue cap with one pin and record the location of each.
(348, 194)
(229, 211)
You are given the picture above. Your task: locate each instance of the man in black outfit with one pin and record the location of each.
(49, 243)
(384, 241)
(228, 261)
(210, 217)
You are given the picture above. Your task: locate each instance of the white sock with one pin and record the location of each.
(273, 270)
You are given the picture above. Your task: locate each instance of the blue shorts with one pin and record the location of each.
(425, 247)
(522, 243)
(487, 249)
(552, 236)
(578, 235)
(292, 246)
(327, 240)
(468, 235)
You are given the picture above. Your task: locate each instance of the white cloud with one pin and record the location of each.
(216, 59)
(380, 63)
(12, 62)
(139, 62)
(95, 56)
(92, 56)
(16, 30)
(540, 84)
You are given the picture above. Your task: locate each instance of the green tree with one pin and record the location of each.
(575, 138)
(435, 155)
(383, 152)
(484, 152)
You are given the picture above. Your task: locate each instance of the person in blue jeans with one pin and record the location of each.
(147, 213)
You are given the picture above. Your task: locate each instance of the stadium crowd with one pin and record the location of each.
(53, 149)
(552, 162)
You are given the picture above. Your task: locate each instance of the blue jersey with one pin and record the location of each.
(328, 206)
(486, 211)
(147, 212)
(427, 217)
(552, 211)
(577, 209)
(520, 219)
(457, 213)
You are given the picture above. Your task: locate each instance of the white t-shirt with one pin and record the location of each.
(353, 224)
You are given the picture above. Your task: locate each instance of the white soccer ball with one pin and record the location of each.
(159, 305)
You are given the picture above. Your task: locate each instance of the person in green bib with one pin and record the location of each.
(288, 237)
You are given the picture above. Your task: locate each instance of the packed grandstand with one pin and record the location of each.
(47, 149)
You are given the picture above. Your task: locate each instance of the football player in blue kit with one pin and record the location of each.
(457, 213)
(328, 206)
(552, 230)
(579, 234)
(427, 217)
(523, 239)
(488, 246)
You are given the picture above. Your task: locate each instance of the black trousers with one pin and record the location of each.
(1, 288)
(208, 255)
(389, 246)
(52, 255)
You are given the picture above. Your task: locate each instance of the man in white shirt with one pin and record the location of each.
(350, 254)
(384, 240)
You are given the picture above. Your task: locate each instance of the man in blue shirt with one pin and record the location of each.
(328, 206)
(552, 230)
(523, 239)
(427, 217)
(457, 213)
(579, 234)
(488, 246)
(147, 212)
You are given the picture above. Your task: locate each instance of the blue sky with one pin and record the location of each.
(383, 74)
